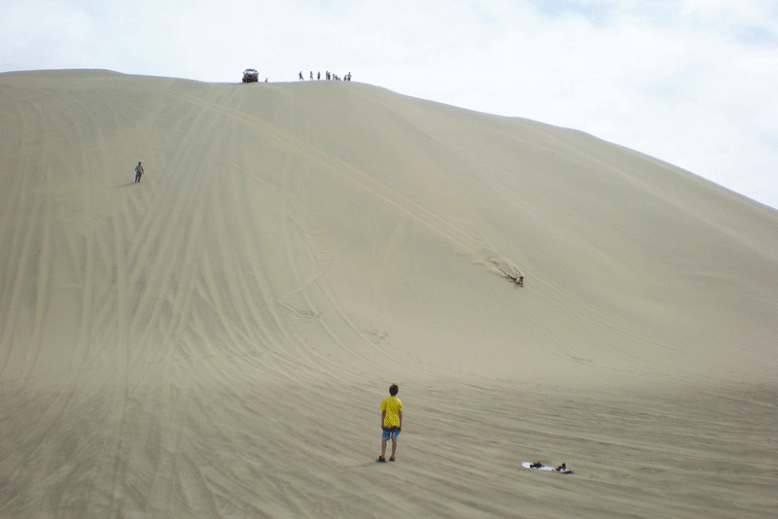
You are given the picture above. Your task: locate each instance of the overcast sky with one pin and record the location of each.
(691, 82)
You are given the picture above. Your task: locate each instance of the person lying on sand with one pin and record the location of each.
(391, 421)
(518, 280)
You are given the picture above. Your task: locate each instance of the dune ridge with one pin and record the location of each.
(214, 341)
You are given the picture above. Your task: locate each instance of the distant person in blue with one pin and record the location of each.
(138, 173)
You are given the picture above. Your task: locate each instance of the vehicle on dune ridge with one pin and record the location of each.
(250, 76)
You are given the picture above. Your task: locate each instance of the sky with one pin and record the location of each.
(691, 82)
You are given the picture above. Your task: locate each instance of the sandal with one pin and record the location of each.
(381, 459)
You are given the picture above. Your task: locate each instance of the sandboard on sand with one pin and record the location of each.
(562, 470)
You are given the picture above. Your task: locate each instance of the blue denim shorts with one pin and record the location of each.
(390, 433)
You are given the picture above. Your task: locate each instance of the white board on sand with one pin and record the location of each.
(562, 469)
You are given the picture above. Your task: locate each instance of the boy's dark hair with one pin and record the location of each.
(393, 389)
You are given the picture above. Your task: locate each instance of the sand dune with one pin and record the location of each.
(214, 341)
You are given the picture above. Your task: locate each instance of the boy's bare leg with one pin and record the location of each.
(394, 447)
(383, 448)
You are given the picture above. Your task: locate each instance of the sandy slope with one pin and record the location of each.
(214, 342)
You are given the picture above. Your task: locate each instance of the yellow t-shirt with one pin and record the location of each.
(392, 406)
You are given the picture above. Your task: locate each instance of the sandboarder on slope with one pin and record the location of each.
(519, 280)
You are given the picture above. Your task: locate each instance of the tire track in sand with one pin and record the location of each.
(358, 178)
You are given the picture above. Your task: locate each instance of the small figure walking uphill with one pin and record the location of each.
(138, 172)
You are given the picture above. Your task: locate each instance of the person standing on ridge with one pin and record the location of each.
(391, 422)
(138, 172)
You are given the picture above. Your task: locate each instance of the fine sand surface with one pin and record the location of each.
(214, 341)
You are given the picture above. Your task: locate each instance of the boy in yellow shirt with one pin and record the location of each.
(391, 421)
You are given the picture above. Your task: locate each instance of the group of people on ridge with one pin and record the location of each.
(327, 76)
